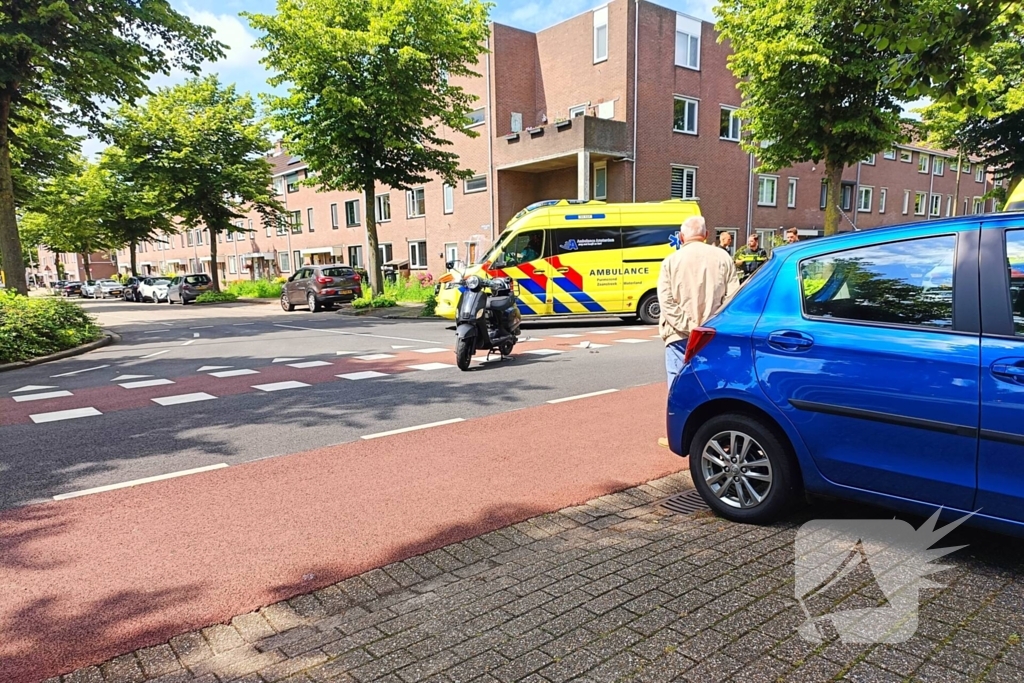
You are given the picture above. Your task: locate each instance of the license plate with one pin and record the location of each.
(344, 291)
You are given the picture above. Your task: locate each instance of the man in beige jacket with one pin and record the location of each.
(695, 283)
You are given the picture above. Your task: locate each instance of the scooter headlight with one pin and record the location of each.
(473, 283)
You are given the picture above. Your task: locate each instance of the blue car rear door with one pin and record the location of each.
(1001, 451)
(874, 356)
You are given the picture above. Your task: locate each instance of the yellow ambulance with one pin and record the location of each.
(1015, 202)
(572, 257)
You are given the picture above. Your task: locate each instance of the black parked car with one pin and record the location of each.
(131, 289)
(71, 288)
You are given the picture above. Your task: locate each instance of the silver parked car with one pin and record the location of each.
(107, 288)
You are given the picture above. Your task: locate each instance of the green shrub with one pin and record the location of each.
(215, 297)
(255, 289)
(383, 301)
(30, 328)
(430, 308)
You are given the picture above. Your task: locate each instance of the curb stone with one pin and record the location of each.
(107, 339)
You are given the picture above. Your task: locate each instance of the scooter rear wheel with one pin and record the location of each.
(464, 353)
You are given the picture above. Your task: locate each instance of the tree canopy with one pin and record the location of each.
(813, 87)
(71, 56)
(372, 90)
(201, 148)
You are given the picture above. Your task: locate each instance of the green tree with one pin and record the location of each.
(812, 87)
(203, 149)
(70, 56)
(369, 91)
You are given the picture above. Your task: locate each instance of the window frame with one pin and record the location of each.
(923, 196)
(355, 215)
(764, 178)
(413, 265)
(600, 166)
(378, 202)
(906, 202)
(447, 199)
(447, 245)
(335, 224)
(684, 169)
(578, 110)
(870, 190)
(309, 219)
(883, 196)
(601, 22)
(691, 30)
(410, 200)
(869, 160)
(687, 101)
(465, 184)
(473, 123)
(923, 163)
(931, 204)
(295, 221)
(939, 166)
(791, 192)
(733, 120)
(906, 156)
(890, 154)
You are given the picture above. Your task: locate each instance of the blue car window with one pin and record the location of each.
(1015, 265)
(905, 283)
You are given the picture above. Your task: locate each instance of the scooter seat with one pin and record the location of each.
(499, 303)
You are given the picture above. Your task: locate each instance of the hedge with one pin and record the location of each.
(33, 327)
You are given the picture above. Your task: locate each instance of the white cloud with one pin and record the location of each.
(232, 32)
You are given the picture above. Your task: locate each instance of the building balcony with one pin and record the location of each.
(558, 145)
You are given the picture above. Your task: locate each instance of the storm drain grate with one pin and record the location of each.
(685, 503)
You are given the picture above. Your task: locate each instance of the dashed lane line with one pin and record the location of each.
(375, 356)
(79, 372)
(309, 364)
(280, 386)
(576, 398)
(30, 387)
(369, 374)
(234, 373)
(190, 341)
(137, 482)
(146, 383)
(154, 355)
(431, 366)
(412, 429)
(182, 398)
(356, 334)
(64, 415)
(41, 397)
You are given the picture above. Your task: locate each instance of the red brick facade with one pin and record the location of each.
(532, 146)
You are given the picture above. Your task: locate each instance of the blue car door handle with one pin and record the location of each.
(790, 340)
(1010, 368)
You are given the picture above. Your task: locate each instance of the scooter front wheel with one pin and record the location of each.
(464, 353)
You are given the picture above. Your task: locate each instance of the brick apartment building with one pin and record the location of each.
(101, 265)
(628, 102)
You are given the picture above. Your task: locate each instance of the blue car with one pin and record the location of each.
(882, 366)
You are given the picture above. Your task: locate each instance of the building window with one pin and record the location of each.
(230, 237)
(966, 168)
(384, 207)
(516, 122)
(297, 258)
(191, 238)
(283, 262)
(352, 213)
(939, 166)
(232, 265)
(199, 238)
(282, 225)
(847, 196)
(687, 42)
(920, 199)
(292, 180)
(954, 165)
(474, 184)
(476, 118)
(890, 154)
(729, 128)
(268, 227)
(296, 222)
(977, 205)
(685, 120)
(907, 156)
(309, 219)
(355, 257)
(922, 163)
(601, 181)
(384, 250)
(906, 201)
(451, 252)
(767, 188)
(600, 34)
(883, 194)
(870, 160)
(449, 198)
(864, 197)
(278, 186)
(949, 205)
(684, 182)
(936, 208)
(791, 194)
(416, 205)
(334, 217)
(578, 110)
(418, 255)
(824, 195)
(979, 174)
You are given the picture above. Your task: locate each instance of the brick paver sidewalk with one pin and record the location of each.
(617, 589)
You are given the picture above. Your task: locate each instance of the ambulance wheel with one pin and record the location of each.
(464, 353)
(649, 309)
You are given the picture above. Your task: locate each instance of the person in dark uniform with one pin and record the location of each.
(750, 257)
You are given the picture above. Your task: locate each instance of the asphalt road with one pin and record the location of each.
(294, 382)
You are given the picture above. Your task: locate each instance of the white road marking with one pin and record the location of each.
(125, 378)
(396, 348)
(167, 324)
(530, 339)
(234, 373)
(412, 429)
(632, 341)
(242, 324)
(195, 335)
(207, 368)
(641, 328)
(431, 366)
(356, 334)
(566, 336)
(589, 345)
(136, 482)
(182, 398)
(285, 360)
(309, 364)
(158, 353)
(31, 387)
(602, 332)
(435, 349)
(41, 397)
(146, 383)
(79, 372)
(154, 331)
(64, 415)
(280, 386)
(375, 356)
(347, 353)
(575, 398)
(190, 341)
(543, 352)
(369, 374)
(201, 327)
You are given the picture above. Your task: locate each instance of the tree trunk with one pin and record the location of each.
(10, 242)
(134, 257)
(959, 173)
(373, 258)
(86, 265)
(833, 196)
(214, 275)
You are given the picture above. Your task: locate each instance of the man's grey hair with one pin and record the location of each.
(693, 227)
